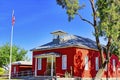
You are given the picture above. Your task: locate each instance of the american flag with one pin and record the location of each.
(13, 18)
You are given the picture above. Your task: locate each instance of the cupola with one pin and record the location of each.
(58, 36)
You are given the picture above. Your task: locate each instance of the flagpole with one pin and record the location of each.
(11, 40)
(11, 53)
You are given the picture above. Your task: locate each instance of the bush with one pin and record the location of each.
(2, 71)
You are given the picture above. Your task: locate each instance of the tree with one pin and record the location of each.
(17, 55)
(106, 23)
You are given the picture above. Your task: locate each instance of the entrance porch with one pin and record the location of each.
(50, 63)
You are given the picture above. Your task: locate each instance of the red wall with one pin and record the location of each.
(76, 59)
(39, 72)
(70, 53)
(19, 69)
(79, 64)
(63, 51)
(110, 72)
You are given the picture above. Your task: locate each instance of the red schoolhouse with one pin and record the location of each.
(21, 68)
(73, 55)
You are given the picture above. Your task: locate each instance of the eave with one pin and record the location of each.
(64, 47)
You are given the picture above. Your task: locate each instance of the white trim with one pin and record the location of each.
(35, 67)
(64, 62)
(46, 55)
(52, 65)
(86, 63)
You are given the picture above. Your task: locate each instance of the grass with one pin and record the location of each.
(3, 78)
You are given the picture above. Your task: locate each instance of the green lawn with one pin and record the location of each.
(1, 78)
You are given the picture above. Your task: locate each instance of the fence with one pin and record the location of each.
(22, 74)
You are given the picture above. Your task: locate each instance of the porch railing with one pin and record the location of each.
(22, 74)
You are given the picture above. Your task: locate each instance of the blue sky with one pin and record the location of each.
(36, 19)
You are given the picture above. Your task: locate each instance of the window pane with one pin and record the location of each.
(39, 64)
(113, 64)
(97, 63)
(86, 63)
(64, 61)
(14, 69)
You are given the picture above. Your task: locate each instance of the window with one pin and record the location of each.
(113, 64)
(97, 63)
(64, 62)
(39, 64)
(86, 63)
(14, 69)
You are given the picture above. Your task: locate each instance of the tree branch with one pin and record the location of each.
(94, 12)
(85, 19)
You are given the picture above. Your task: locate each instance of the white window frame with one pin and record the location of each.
(113, 62)
(86, 63)
(96, 63)
(39, 66)
(64, 62)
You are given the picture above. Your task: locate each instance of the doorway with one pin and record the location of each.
(49, 65)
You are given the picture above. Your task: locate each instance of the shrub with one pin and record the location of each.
(2, 71)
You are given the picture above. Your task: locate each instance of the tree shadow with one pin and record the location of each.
(92, 60)
(78, 64)
(112, 72)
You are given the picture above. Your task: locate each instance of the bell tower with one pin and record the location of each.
(58, 36)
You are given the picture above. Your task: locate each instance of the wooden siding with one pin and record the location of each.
(76, 60)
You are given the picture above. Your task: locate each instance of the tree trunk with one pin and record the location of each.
(99, 74)
(103, 61)
(101, 71)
